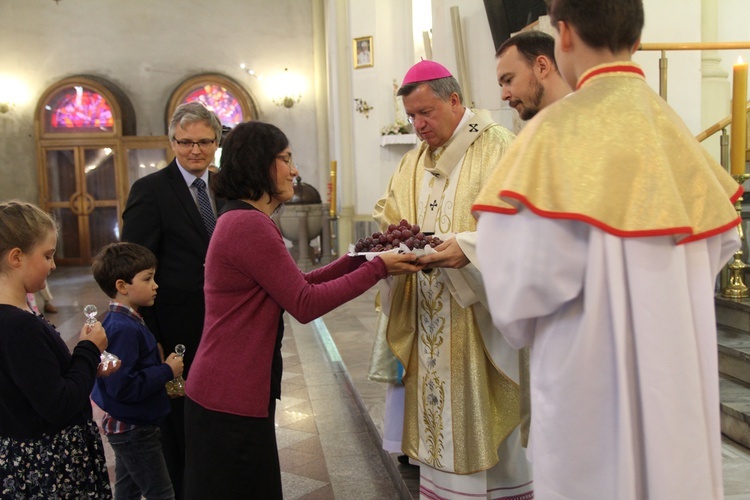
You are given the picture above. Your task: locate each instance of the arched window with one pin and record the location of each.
(221, 101)
(84, 106)
(223, 96)
(78, 108)
(80, 123)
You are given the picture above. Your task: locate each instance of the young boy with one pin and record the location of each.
(135, 399)
(600, 237)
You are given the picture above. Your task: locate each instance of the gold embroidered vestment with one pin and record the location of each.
(459, 406)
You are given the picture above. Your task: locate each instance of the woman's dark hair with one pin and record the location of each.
(247, 157)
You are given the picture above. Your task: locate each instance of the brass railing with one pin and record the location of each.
(716, 127)
(732, 278)
(719, 126)
(664, 47)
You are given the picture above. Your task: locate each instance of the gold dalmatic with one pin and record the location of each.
(459, 406)
(655, 178)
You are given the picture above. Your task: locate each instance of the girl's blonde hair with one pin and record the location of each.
(23, 225)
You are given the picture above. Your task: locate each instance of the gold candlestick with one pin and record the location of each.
(739, 118)
(334, 221)
(332, 190)
(736, 289)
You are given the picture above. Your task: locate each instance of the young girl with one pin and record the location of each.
(49, 444)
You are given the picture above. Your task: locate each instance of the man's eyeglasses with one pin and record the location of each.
(286, 159)
(203, 143)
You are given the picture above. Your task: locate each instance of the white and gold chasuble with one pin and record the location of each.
(460, 405)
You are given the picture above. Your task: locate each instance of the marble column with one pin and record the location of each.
(320, 58)
(344, 136)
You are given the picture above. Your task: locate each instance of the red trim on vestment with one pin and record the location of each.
(737, 194)
(610, 69)
(673, 231)
(492, 208)
(712, 232)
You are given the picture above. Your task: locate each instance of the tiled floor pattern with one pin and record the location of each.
(330, 416)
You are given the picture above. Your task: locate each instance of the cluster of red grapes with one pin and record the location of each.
(405, 233)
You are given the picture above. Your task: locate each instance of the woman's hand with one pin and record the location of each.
(95, 333)
(400, 263)
(105, 370)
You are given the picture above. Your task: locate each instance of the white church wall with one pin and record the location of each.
(733, 27)
(389, 23)
(675, 21)
(479, 50)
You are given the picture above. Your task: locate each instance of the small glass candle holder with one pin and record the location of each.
(107, 358)
(176, 386)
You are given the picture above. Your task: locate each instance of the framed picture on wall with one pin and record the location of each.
(362, 50)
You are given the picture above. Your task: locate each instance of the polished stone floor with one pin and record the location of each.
(329, 420)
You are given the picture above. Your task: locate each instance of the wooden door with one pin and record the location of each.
(80, 187)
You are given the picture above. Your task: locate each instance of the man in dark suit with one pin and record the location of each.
(172, 212)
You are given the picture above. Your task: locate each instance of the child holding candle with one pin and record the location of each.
(135, 399)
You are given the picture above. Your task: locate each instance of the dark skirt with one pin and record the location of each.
(69, 464)
(230, 456)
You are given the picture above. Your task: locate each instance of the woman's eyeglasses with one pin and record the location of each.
(286, 159)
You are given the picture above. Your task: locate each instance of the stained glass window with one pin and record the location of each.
(77, 109)
(219, 100)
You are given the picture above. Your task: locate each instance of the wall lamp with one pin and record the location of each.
(12, 92)
(286, 89)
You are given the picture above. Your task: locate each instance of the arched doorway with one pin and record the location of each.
(79, 124)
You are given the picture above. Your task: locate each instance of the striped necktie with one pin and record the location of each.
(204, 204)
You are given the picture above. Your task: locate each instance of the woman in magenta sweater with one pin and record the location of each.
(251, 279)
